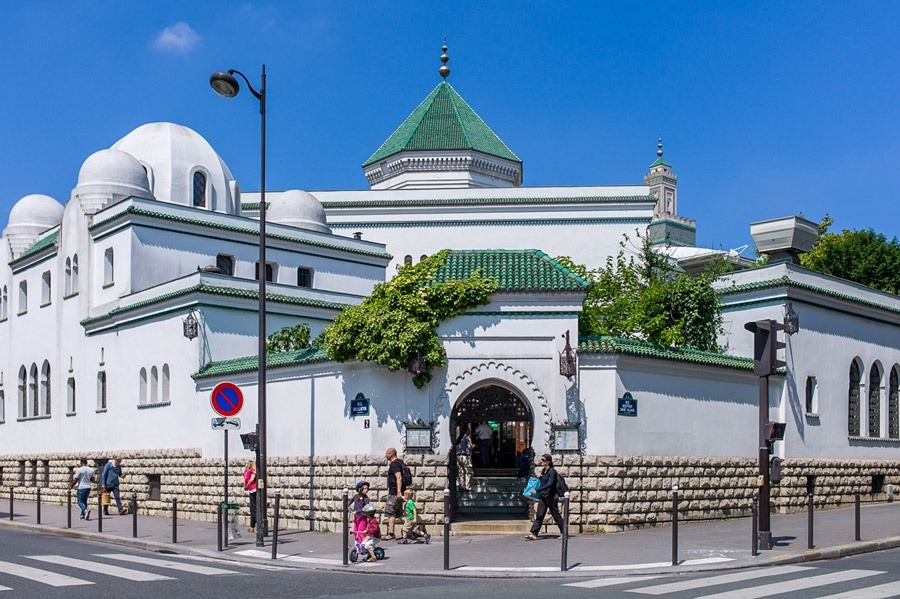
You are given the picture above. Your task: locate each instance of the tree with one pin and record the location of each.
(643, 296)
(289, 339)
(400, 317)
(865, 257)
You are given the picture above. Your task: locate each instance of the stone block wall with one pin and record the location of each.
(608, 493)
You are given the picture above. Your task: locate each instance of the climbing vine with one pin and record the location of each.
(400, 317)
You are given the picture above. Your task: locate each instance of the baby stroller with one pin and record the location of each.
(357, 550)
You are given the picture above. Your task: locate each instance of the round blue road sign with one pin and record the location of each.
(227, 399)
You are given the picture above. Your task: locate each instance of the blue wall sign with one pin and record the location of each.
(627, 405)
(359, 406)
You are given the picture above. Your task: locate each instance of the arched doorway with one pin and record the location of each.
(510, 419)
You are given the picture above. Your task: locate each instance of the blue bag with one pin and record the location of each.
(530, 487)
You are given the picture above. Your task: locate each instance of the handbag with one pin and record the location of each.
(530, 487)
(104, 498)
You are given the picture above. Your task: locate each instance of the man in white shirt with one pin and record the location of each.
(82, 480)
(483, 435)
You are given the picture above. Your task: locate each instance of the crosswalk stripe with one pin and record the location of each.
(789, 586)
(161, 563)
(291, 558)
(3, 588)
(99, 568)
(608, 582)
(697, 583)
(42, 576)
(891, 589)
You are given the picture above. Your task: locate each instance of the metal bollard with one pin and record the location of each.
(564, 563)
(674, 525)
(446, 529)
(174, 520)
(809, 527)
(754, 511)
(219, 526)
(39, 505)
(275, 524)
(858, 535)
(100, 511)
(134, 514)
(223, 524)
(345, 494)
(69, 508)
(10, 503)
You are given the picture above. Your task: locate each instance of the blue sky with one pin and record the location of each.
(766, 108)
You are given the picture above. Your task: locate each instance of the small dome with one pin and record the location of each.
(299, 209)
(113, 166)
(36, 211)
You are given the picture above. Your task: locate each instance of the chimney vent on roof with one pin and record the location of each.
(784, 239)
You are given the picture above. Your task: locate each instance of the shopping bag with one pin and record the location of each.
(532, 484)
(104, 498)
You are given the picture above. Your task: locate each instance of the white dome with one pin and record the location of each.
(297, 208)
(174, 153)
(117, 168)
(36, 211)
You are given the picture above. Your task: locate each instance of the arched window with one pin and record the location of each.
(23, 398)
(101, 390)
(154, 385)
(853, 400)
(46, 288)
(45, 388)
(108, 267)
(4, 304)
(23, 297)
(165, 383)
(199, 189)
(33, 399)
(894, 404)
(67, 281)
(875, 401)
(143, 386)
(74, 274)
(423, 257)
(304, 277)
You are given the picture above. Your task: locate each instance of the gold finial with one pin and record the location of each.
(659, 147)
(444, 70)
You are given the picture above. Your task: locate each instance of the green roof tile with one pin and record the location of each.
(633, 347)
(443, 121)
(660, 162)
(487, 201)
(286, 359)
(515, 270)
(40, 244)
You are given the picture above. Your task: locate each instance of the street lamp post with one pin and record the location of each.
(225, 84)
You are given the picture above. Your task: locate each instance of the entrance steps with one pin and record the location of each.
(493, 497)
(492, 526)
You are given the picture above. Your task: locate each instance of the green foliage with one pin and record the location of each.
(865, 257)
(289, 339)
(400, 317)
(643, 297)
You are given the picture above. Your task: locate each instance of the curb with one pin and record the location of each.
(825, 553)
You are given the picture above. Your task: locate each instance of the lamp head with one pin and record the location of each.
(224, 84)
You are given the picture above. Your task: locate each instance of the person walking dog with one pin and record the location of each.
(548, 497)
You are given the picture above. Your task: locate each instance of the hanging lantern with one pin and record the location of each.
(416, 364)
(791, 320)
(568, 363)
(191, 326)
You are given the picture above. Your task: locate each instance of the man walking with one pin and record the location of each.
(112, 472)
(464, 461)
(483, 434)
(81, 479)
(396, 487)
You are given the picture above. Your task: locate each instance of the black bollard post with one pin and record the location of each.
(345, 494)
(134, 514)
(275, 524)
(39, 505)
(100, 512)
(858, 536)
(69, 508)
(564, 563)
(446, 529)
(10, 503)
(219, 526)
(674, 525)
(174, 520)
(754, 511)
(809, 509)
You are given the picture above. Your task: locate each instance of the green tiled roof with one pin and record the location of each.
(513, 201)
(515, 270)
(40, 244)
(785, 281)
(310, 355)
(443, 121)
(633, 347)
(660, 162)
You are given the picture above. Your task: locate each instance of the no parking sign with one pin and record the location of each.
(226, 399)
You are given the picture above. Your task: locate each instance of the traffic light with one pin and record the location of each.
(250, 441)
(773, 431)
(766, 346)
(775, 472)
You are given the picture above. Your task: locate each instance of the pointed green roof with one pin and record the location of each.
(443, 121)
(660, 162)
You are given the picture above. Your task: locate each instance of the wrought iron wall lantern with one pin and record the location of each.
(191, 326)
(419, 435)
(416, 363)
(791, 320)
(568, 360)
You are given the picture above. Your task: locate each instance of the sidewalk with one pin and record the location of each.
(721, 544)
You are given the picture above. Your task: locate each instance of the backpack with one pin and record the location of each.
(406, 475)
(561, 486)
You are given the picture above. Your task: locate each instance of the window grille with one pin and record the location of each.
(853, 407)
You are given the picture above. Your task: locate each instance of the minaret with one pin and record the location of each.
(663, 184)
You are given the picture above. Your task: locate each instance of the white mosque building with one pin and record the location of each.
(93, 360)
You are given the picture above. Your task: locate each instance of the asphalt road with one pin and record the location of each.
(34, 565)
